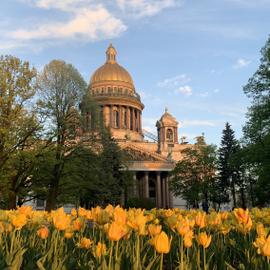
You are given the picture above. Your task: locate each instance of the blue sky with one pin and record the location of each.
(191, 56)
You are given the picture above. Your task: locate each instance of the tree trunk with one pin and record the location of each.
(11, 199)
(243, 199)
(51, 201)
(233, 195)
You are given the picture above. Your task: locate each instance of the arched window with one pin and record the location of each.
(116, 119)
(169, 135)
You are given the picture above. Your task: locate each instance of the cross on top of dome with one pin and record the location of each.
(111, 54)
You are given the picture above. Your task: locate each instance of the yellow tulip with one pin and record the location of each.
(120, 215)
(261, 230)
(68, 234)
(136, 220)
(2, 227)
(18, 221)
(25, 209)
(154, 229)
(259, 243)
(43, 233)
(183, 227)
(85, 243)
(161, 243)
(82, 212)
(266, 247)
(77, 224)
(204, 240)
(188, 239)
(100, 249)
(73, 212)
(200, 220)
(116, 231)
(61, 222)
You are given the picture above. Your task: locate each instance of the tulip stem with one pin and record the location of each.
(198, 259)
(161, 262)
(182, 255)
(204, 260)
(110, 259)
(137, 252)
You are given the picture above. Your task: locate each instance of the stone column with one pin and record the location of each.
(111, 116)
(168, 194)
(120, 116)
(146, 184)
(134, 120)
(135, 193)
(131, 119)
(163, 193)
(158, 190)
(106, 115)
(140, 127)
(128, 117)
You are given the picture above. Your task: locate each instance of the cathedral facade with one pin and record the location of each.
(112, 87)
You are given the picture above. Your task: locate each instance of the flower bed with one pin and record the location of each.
(115, 238)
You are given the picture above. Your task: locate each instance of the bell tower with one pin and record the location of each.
(167, 130)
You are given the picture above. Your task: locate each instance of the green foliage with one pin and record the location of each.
(228, 170)
(144, 203)
(257, 128)
(194, 175)
(19, 126)
(61, 88)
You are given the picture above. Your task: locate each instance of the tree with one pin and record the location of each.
(257, 127)
(18, 123)
(193, 175)
(61, 88)
(228, 172)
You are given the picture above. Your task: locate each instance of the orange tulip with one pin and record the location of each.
(261, 230)
(43, 233)
(161, 243)
(243, 218)
(266, 247)
(120, 215)
(77, 224)
(68, 235)
(200, 220)
(100, 249)
(116, 231)
(154, 229)
(19, 220)
(183, 227)
(61, 222)
(204, 240)
(188, 239)
(85, 243)
(25, 209)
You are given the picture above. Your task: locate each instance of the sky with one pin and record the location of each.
(190, 56)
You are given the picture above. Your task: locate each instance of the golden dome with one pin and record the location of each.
(111, 72)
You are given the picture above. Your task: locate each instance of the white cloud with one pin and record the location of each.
(216, 90)
(84, 20)
(175, 81)
(88, 23)
(141, 8)
(241, 63)
(185, 90)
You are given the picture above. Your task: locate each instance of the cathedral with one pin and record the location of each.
(112, 87)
